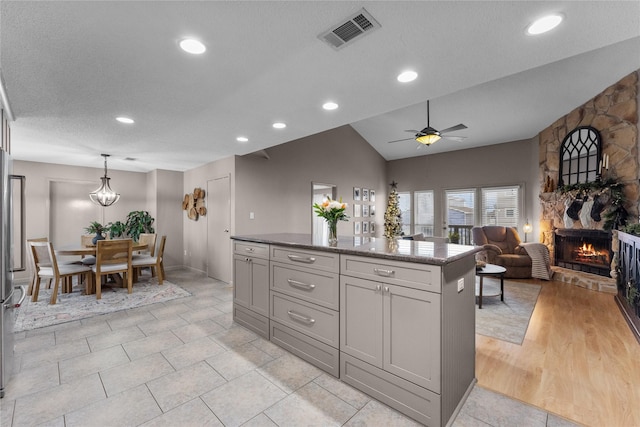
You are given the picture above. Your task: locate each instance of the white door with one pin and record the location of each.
(71, 211)
(219, 226)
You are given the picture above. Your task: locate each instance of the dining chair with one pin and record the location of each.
(32, 265)
(148, 239)
(113, 257)
(86, 241)
(153, 262)
(47, 267)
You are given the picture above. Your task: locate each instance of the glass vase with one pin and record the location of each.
(333, 232)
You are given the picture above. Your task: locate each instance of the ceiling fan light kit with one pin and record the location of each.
(429, 135)
(428, 139)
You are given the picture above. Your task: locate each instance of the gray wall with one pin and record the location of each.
(164, 201)
(195, 232)
(512, 163)
(278, 190)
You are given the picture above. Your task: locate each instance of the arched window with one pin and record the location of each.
(580, 154)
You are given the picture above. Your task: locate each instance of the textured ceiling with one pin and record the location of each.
(71, 67)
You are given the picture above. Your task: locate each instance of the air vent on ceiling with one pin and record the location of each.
(348, 30)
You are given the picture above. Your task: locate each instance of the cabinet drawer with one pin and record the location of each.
(310, 285)
(259, 250)
(313, 351)
(317, 322)
(319, 260)
(416, 402)
(250, 320)
(419, 276)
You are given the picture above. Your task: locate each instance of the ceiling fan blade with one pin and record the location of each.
(398, 140)
(454, 128)
(412, 130)
(455, 138)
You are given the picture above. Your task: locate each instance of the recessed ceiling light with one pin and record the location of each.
(242, 139)
(126, 120)
(544, 24)
(193, 46)
(279, 125)
(330, 105)
(407, 76)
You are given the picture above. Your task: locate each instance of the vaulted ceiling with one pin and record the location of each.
(70, 68)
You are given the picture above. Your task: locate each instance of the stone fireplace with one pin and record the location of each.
(614, 114)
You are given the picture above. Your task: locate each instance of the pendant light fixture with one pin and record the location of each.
(104, 196)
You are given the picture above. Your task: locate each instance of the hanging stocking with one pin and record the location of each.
(597, 208)
(574, 208)
(568, 222)
(585, 212)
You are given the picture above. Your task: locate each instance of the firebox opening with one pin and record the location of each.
(583, 250)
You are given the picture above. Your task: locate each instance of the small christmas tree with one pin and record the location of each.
(393, 216)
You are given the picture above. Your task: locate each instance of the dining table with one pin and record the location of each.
(91, 250)
(79, 250)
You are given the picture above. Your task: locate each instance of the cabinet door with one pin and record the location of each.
(412, 335)
(361, 319)
(259, 286)
(242, 280)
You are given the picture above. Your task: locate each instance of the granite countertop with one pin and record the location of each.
(424, 252)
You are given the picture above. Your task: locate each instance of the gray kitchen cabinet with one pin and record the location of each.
(393, 328)
(396, 341)
(304, 305)
(251, 286)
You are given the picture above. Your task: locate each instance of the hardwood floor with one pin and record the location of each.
(578, 360)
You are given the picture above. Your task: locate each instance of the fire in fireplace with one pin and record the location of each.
(583, 250)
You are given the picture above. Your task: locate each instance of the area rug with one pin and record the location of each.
(506, 320)
(76, 305)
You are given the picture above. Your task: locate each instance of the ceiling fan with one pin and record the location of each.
(429, 135)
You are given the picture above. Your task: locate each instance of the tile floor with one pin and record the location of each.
(185, 363)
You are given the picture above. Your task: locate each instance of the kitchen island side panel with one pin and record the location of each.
(458, 333)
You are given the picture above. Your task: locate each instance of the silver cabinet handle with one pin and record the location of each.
(301, 318)
(301, 285)
(247, 259)
(248, 249)
(386, 289)
(306, 260)
(384, 273)
(378, 287)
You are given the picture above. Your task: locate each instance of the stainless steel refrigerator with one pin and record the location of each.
(12, 244)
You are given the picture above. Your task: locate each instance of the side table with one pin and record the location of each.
(491, 270)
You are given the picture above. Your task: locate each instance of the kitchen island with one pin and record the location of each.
(392, 318)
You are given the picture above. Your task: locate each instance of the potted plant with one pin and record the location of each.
(138, 222)
(116, 229)
(454, 237)
(98, 229)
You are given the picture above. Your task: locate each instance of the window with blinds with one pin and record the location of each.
(500, 206)
(423, 208)
(404, 204)
(460, 207)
